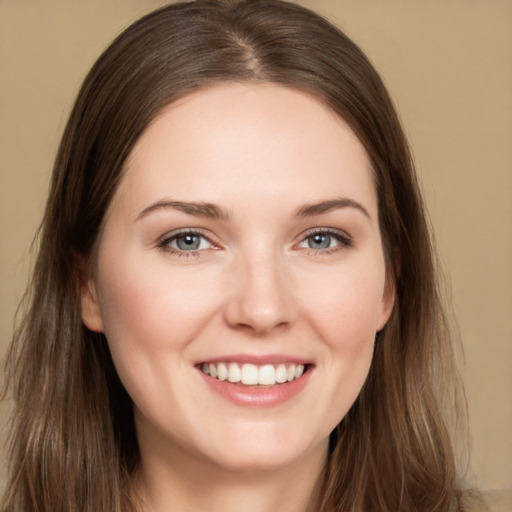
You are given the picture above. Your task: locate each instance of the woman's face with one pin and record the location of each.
(242, 243)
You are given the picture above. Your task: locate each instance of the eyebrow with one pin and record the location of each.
(310, 210)
(199, 209)
(212, 211)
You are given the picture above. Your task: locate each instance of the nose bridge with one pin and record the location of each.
(261, 298)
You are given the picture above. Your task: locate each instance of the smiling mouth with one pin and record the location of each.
(248, 374)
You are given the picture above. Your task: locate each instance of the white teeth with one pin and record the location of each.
(234, 373)
(222, 371)
(249, 375)
(267, 375)
(252, 375)
(281, 373)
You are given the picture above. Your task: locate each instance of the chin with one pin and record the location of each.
(257, 462)
(264, 453)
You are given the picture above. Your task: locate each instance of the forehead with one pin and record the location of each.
(257, 140)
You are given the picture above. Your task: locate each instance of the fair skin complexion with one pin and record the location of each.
(243, 232)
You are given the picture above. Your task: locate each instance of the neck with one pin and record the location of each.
(179, 481)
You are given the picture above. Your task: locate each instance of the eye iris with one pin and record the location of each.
(188, 242)
(319, 241)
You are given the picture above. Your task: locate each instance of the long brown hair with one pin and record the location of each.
(73, 445)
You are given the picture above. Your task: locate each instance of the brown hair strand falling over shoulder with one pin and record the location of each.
(73, 444)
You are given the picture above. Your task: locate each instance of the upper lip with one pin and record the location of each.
(257, 360)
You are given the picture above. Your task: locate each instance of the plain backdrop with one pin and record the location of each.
(448, 65)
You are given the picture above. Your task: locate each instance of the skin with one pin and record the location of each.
(260, 153)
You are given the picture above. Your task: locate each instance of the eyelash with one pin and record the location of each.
(345, 242)
(344, 239)
(164, 244)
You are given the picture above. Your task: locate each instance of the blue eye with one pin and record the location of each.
(189, 241)
(320, 241)
(324, 240)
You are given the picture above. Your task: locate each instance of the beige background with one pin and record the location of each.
(448, 65)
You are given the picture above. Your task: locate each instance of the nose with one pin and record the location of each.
(260, 298)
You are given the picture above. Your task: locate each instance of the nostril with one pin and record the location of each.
(248, 316)
(261, 298)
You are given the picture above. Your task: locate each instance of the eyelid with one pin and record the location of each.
(164, 241)
(332, 231)
(345, 239)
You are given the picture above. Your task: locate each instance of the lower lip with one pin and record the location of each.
(252, 396)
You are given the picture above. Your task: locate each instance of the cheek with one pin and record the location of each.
(344, 312)
(150, 314)
(346, 305)
(151, 305)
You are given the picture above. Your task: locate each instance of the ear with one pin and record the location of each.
(90, 308)
(388, 300)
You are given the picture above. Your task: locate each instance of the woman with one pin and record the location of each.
(235, 301)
